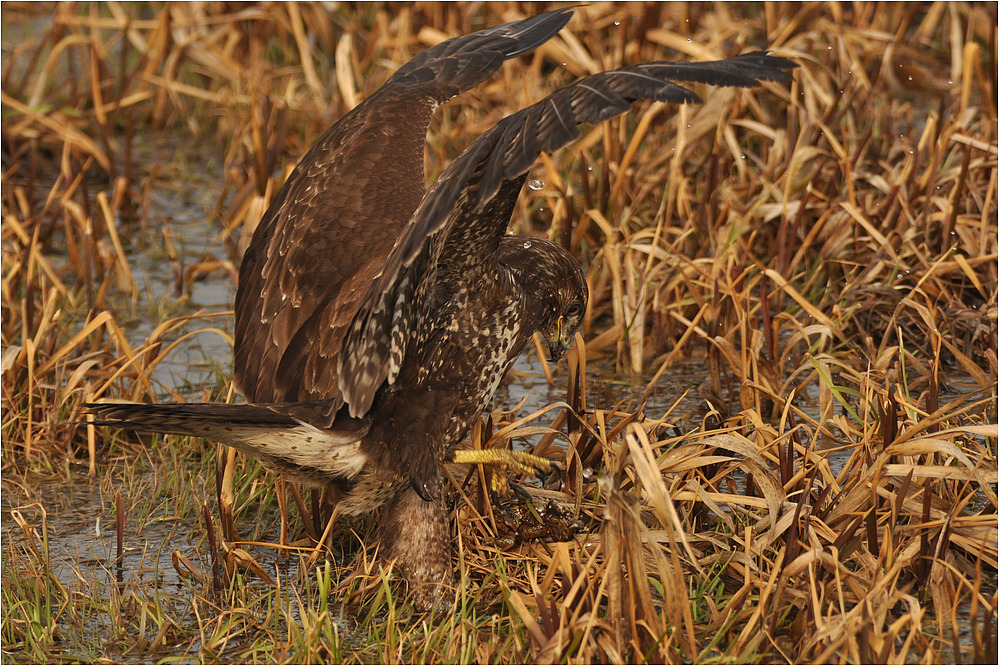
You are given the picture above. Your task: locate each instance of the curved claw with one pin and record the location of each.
(423, 489)
(556, 468)
(521, 493)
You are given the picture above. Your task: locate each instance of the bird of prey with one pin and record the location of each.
(375, 319)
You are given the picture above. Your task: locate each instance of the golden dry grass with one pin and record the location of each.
(828, 250)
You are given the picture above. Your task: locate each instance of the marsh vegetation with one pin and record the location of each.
(778, 428)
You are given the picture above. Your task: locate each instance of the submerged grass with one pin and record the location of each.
(828, 250)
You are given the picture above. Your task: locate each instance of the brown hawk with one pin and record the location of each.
(375, 320)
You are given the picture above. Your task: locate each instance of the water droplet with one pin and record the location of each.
(564, 63)
(589, 167)
(535, 184)
(742, 156)
(587, 472)
(527, 245)
(689, 125)
(689, 40)
(617, 23)
(950, 82)
(910, 78)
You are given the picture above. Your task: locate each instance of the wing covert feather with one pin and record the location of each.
(455, 232)
(343, 208)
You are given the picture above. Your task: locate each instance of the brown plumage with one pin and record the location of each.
(374, 321)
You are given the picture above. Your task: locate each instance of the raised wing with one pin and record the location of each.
(454, 234)
(327, 234)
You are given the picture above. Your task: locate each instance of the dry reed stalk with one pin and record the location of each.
(828, 249)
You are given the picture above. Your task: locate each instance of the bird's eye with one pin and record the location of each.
(574, 310)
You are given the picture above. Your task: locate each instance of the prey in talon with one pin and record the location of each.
(519, 519)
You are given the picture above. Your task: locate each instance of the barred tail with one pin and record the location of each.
(272, 433)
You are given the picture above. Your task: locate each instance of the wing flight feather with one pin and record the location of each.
(342, 210)
(454, 233)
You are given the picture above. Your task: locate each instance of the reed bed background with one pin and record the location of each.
(827, 250)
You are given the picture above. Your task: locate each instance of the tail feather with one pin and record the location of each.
(209, 420)
(272, 433)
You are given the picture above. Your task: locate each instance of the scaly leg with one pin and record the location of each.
(505, 460)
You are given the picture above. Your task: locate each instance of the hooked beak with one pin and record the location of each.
(559, 343)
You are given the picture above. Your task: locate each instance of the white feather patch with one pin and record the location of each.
(304, 446)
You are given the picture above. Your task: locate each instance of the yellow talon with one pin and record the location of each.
(505, 460)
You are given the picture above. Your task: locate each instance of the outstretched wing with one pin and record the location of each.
(327, 234)
(454, 234)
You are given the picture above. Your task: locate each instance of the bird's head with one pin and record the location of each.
(555, 287)
(566, 312)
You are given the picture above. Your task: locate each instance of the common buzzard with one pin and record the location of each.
(375, 320)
